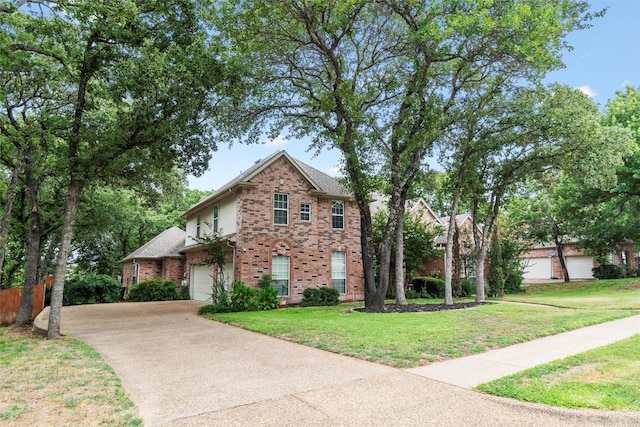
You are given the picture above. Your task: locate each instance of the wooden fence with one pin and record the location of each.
(10, 304)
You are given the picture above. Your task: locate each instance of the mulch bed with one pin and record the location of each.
(419, 308)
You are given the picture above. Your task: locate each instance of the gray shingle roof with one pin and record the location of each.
(166, 244)
(320, 180)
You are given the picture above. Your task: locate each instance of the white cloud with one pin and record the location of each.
(626, 83)
(586, 89)
(276, 142)
(336, 170)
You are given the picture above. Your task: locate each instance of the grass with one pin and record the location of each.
(414, 339)
(603, 378)
(62, 382)
(603, 294)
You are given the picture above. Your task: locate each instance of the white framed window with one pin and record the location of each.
(339, 271)
(198, 223)
(216, 218)
(337, 214)
(281, 209)
(134, 273)
(280, 274)
(305, 212)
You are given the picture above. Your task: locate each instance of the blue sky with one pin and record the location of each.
(604, 59)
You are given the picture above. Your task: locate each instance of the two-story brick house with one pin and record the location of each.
(283, 218)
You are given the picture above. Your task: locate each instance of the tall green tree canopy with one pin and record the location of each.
(379, 80)
(121, 90)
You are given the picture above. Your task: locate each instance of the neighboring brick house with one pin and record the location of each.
(419, 208)
(541, 262)
(158, 258)
(283, 218)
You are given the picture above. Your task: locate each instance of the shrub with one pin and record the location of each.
(90, 289)
(608, 271)
(215, 308)
(184, 292)
(153, 290)
(243, 298)
(429, 287)
(323, 296)
(411, 294)
(467, 288)
(267, 298)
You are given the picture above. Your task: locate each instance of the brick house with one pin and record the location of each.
(280, 217)
(158, 258)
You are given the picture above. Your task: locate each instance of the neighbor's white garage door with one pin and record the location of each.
(579, 267)
(537, 268)
(201, 282)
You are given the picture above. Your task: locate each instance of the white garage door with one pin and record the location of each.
(201, 282)
(579, 267)
(537, 268)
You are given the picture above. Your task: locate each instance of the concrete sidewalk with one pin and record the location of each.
(469, 372)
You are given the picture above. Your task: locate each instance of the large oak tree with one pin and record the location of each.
(379, 79)
(131, 86)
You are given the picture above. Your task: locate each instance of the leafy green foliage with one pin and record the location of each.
(267, 298)
(505, 270)
(429, 286)
(90, 289)
(244, 298)
(153, 290)
(608, 271)
(323, 296)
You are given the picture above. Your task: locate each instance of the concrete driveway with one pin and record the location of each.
(184, 370)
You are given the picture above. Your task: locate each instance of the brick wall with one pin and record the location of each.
(309, 244)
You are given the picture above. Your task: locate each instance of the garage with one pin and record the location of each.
(201, 282)
(537, 268)
(579, 267)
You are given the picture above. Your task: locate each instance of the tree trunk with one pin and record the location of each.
(448, 258)
(33, 250)
(8, 207)
(401, 298)
(563, 264)
(71, 208)
(480, 262)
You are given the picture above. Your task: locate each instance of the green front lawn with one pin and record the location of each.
(603, 294)
(603, 378)
(414, 339)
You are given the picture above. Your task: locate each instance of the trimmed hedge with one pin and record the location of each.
(153, 290)
(90, 289)
(429, 287)
(320, 297)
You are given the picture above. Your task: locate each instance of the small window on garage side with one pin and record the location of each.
(198, 221)
(134, 273)
(305, 212)
(216, 218)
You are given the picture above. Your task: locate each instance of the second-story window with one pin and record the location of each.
(337, 214)
(281, 209)
(198, 220)
(216, 214)
(305, 212)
